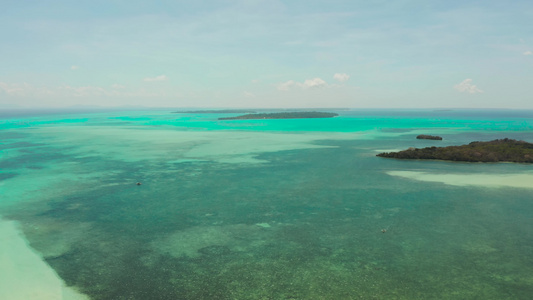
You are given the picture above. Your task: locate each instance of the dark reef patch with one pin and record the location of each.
(429, 137)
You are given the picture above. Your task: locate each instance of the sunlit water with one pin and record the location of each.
(270, 209)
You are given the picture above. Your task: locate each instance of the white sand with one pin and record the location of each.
(23, 274)
(519, 180)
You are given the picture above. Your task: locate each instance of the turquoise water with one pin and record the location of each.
(268, 209)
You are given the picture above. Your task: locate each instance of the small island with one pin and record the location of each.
(284, 115)
(216, 111)
(502, 150)
(429, 137)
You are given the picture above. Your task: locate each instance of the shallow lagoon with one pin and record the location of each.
(269, 209)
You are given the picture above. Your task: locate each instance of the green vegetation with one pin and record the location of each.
(429, 137)
(216, 111)
(284, 115)
(503, 150)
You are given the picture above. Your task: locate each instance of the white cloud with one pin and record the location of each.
(25, 90)
(118, 86)
(307, 84)
(314, 83)
(13, 89)
(74, 68)
(466, 86)
(82, 91)
(341, 77)
(157, 78)
(285, 86)
(528, 53)
(248, 94)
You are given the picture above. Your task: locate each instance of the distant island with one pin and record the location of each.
(284, 115)
(215, 111)
(503, 150)
(429, 137)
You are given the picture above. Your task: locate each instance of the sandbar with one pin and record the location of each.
(517, 180)
(23, 273)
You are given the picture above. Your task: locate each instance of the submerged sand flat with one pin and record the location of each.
(519, 180)
(24, 275)
(186, 145)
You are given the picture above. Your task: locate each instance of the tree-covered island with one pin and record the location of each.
(284, 115)
(216, 111)
(503, 150)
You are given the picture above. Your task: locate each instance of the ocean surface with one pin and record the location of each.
(267, 209)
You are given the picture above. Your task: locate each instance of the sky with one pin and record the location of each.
(254, 53)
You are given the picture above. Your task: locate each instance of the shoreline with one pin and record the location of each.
(23, 272)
